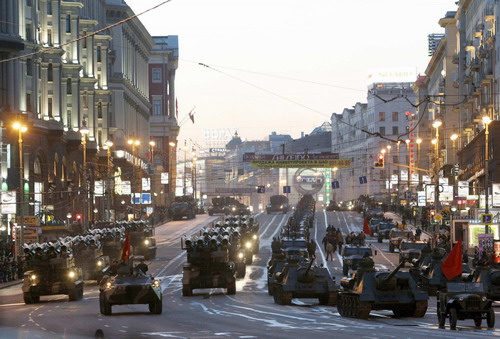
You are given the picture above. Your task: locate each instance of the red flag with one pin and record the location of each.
(176, 109)
(126, 248)
(452, 266)
(366, 227)
(191, 116)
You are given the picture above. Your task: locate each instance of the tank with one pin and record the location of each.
(50, 271)
(183, 206)
(207, 266)
(278, 203)
(304, 280)
(489, 277)
(352, 256)
(371, 290)
(130, 286)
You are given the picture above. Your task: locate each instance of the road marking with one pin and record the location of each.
(381, 252)
(325, 264)
(268, 225)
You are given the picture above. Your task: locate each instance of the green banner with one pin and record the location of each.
(319, 163)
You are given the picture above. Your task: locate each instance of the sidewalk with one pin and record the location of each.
(395, 217)
(10, 283)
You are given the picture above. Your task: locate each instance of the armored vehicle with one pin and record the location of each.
(464, 301)
(409, 250)
(303, 280)
(432, 277)
(207, 266)
(183, 206)
(490, 278)
(374, 222)
(383, 230)
(94, 265)
(370, 290)
(396, 236)
(50, 274)
(278, 203)
(374, 213)
(142, 240)
(275, 265)
(352, 255)
(112, 243)
(130, 286)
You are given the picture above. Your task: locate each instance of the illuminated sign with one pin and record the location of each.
(302, 163)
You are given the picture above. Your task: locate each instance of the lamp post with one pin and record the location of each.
(486, 121)
(108, 146)
(133, 143)
(436, 124)
(152, 145)
(171, 167)
(84, 131)
(21, 129)
(407, 141)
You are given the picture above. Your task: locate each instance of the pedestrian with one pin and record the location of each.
(418, 233)
(340, 240)
(329, 251)
(311, 250)
(325, 241)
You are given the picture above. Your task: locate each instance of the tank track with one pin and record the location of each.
(349, 305)
(281, 297)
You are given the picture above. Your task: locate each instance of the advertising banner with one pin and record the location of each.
(126, 188)
(497, 251)
(8, 205)
(463, 189)
(164, 178)
(496, 195)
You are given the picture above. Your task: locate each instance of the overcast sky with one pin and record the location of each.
(331, 42)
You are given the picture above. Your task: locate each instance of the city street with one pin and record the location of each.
(213, 314)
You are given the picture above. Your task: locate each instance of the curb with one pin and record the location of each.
(10, 283)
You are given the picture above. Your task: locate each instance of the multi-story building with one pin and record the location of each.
(164, 125)
(361, 133)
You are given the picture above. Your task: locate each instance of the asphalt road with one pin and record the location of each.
(251, 313)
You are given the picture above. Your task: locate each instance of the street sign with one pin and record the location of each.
(287, 189)
(408, 195)
(487, 218)
(261, 189)
(335, 184)
(362, 180)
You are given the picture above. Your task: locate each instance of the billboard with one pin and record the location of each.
(9, 205)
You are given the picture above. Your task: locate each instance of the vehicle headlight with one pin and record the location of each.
(254, 237)
(33, 277)
(146, 242)
(281, 206)
(72, 274)
(484, 298)
(240, 255)
(156, 283)
(234, 208)
(99, 263)
(108, 285)
(248, 244)
(461, 298)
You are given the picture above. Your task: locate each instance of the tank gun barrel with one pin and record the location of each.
(389, 277)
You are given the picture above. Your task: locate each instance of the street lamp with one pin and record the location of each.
(107, 146)
(152, 145)
(21, 129)
(486, 122)
(133, 143)
(84, 131)
(436, 124)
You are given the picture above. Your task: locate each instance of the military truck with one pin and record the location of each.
(130, 286)
(300, 279)
(51, 270)
(218, 207)
(464, 301)
(383, 229)
(352, 256)
(207, 266)
(278, 203)
(142, 240)
(371, 290)
(93, 263)
(396, 236)
(183, 206)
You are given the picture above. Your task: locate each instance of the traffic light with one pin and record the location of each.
(261, 189)
(380, 161)
(78, 217)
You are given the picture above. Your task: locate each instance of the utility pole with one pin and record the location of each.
(185, 169)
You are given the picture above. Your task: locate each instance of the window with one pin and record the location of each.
(84, 41)
(49, 8)
(49, 37)
(28, 102)
(156, 75)
(157, 107)
(69, 85)
(395, 159)
(50, 76)
(39, 71)
(395, 130)
(99, 110)
(68, 23)
(68, 119)
(49, 107)
(382, 130)
(29, 67)
(98, 52)
(381, 116)
(395, 116)
(29, 32)
(29, 3)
